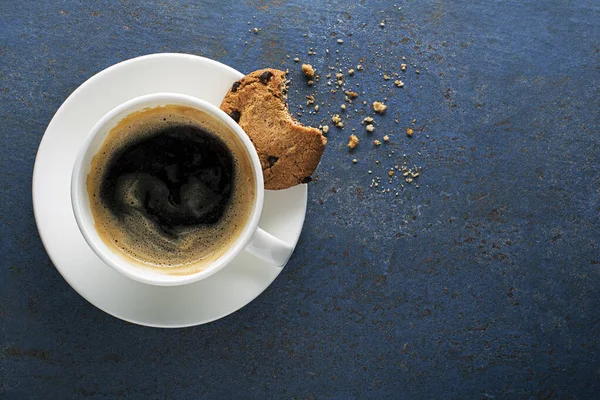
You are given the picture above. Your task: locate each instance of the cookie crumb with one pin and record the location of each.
(403, 67)
(325, 129)
(316, 108)
(351, 71)
(359, 67)
(255, 30)
(399, 83)
(370, 128)
(309, 83)
(386, 77)
(340, 41)
(308, 70)
(379, 107)
(409, 132)
(336, 118)
(353, 142)
(390, 173)
(376, 142)
(386, 138)
(367, 120)
(351, 95)
(296, 59)
(354, 160)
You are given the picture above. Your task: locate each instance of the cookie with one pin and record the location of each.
(289, 152)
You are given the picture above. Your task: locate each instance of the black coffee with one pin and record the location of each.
(179, 176)
(171, 187)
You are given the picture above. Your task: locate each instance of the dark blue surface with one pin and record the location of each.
(483, 283)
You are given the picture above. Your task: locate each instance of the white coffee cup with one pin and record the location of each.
(252, 238)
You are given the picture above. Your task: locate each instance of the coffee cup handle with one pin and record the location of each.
(269, 248)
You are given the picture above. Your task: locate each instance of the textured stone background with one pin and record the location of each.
(482, 283)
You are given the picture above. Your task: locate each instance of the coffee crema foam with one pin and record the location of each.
(171, 188)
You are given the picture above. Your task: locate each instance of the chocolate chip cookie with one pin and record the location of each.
(289, 152)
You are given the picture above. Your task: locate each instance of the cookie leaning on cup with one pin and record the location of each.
(289, 152)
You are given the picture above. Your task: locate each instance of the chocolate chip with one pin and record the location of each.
(235, 86)
(235, 115)
(265, 77)
(272, 160)
(306, 179)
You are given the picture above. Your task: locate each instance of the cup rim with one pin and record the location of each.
(85, 220)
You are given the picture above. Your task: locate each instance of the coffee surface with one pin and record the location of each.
(171, 187)
(179, 176)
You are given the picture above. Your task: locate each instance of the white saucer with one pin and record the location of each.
(168, 307)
